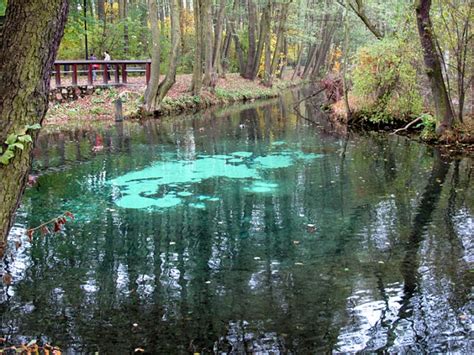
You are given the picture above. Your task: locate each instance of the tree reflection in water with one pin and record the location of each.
(387, 268)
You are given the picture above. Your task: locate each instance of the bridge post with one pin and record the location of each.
(105, 74)
(148, 72)
(116, 74)
(124, 73)
(89, 74)
(74, 74)
(57, 74)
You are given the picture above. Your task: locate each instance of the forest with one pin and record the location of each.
(374, 44)
(165, 159)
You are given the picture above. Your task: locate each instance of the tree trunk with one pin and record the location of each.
(207, 38)
(298, 62)
(101, 9)
(196, 85)
(225, 51)
(312, 52)
(444, 113)
(280, 37)
(219, 29)
(360, 12)
(344, 68)
(264, 29)
(323, 49)
(238, 48)
(123, 18)
(268, 58)
(157, 92)
(27, 55)
(252, 24)
(283, 61)
(152, 88)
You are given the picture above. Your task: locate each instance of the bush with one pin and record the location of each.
(385, 82)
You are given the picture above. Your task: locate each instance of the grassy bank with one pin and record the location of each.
(99, 106)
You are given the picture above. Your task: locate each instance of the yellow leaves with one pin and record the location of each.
(31, 348)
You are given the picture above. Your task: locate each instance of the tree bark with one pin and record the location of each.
(444, 113)
(27, 55)
(298, 62)
(101, 10)
(252, 24)
(219, 29)
(154, 83)
(264, 29)
(344, 68)
(196, 85)
(156, 90)
(207, 39)
(360, 12)
(324, 47)
(123, 18)
(280, 36)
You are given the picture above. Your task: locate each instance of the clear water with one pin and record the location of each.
(244, 230)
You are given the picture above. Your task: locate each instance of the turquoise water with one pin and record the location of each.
(243, 230)
(138, 189)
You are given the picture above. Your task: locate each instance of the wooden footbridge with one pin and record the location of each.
(69, 73)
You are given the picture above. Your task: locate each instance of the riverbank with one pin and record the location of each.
(99, 106)
(459, 140)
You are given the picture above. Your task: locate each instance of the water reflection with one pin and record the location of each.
(386, 266)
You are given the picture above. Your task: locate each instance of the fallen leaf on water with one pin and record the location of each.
(7, 279)
(139, 350)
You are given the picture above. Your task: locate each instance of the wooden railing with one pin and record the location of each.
(93, 69)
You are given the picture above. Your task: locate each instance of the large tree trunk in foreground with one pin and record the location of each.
(32, 32)
(156, 91)
(444, 113)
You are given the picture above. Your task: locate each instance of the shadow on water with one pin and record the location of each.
(286, 236)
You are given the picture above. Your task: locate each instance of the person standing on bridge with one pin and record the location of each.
(107, 58)
(94, 67)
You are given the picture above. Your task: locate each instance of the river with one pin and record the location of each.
(243, 229)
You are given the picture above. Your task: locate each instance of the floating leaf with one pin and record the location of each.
(57, 227)
(139, 350)
(29, 234)
(7, 279)
(17, 245)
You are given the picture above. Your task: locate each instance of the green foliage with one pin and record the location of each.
(16, 141)
(428, 123)
(3, 7)
(385, 81)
